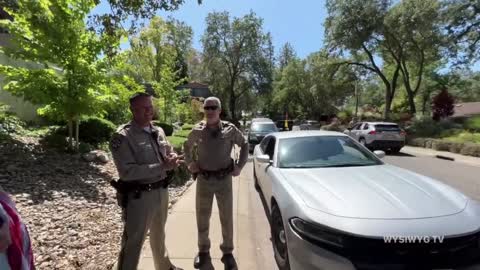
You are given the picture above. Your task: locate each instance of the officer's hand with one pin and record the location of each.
(236, 171)
(193, 167)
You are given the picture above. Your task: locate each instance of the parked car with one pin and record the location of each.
(310, 125)
(378, 135)
(333, 204)
(258, 129)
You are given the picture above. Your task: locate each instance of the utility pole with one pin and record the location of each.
(356, 100)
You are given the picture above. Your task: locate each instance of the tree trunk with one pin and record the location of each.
(77, 133)
(70, 133)
(232, 100)
(388, 105)
(411, 103)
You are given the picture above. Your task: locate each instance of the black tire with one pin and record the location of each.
(279, 241)
(255, 179)
(396, 150)
(363, 142)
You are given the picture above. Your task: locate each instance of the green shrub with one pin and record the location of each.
(419, 142)
(441, 145)
(187, 127)
(471, 149)
(181, 176)
(93, 130)
(456, 147)
(473, 124)
(96, 130)
(54, 140)
(167, 128)
(464, 137)
(11, 124)
(427, 127)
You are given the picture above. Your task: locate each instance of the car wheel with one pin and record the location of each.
(279, 239)
(396, 150)
(362, 142)
(255, 179)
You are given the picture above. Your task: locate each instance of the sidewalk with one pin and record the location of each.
(419, 151)
(181, 232)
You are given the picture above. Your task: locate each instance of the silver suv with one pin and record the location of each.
(378, 135)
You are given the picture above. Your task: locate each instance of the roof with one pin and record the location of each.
(377, 123)
(305, 133)
(262, 120)
(466, 109)
(4, 15)
(193, 85)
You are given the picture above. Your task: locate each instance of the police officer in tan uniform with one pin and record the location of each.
(208, 155)
(143, 158)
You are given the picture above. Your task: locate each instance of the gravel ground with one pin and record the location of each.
(67, 203)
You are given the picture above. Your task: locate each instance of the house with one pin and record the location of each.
(466, 110)
(198, 90)
(25, 110)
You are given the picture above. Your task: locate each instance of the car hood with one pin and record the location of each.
(376, 192)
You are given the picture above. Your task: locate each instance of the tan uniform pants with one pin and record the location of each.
(149, 212)
(222, 189)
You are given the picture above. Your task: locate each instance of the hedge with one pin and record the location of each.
(187, 127)
(469, 149)
(167, 128)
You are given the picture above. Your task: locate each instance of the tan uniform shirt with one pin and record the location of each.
(212, 148)
(138, 154)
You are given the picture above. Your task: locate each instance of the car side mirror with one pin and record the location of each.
(379, 153)
(263, 158)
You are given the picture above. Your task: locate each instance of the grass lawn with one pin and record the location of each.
(182, 133)
(177, 142)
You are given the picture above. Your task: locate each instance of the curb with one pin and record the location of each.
(445, 157)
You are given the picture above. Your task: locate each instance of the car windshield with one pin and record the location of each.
(264, 127)
(387, 127)
(323, 151)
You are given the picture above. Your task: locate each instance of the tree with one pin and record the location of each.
(112, 24)
(313, 87)
(151, 60)
(53, 33)
(181, 38)
(356, 26)
(462, 22)
(412, 38)
(442, 105)
(287, 54)
(238, 57)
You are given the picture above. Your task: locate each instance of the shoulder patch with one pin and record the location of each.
(116, 141)
(199, 125)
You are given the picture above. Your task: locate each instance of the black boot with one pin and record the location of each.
(201, 259)
(175, 268)
(229, 262)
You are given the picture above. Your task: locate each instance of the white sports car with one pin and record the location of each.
(335, 205)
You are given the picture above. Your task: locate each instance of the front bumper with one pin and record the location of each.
(306, 255)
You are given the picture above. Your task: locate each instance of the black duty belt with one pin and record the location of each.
(219, 174)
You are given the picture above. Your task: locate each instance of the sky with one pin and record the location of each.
(298, 22)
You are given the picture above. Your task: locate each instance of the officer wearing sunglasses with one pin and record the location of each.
(208, 155)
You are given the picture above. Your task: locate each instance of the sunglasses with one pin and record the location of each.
(212, 108)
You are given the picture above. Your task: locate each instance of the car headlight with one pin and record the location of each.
(317, 233)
